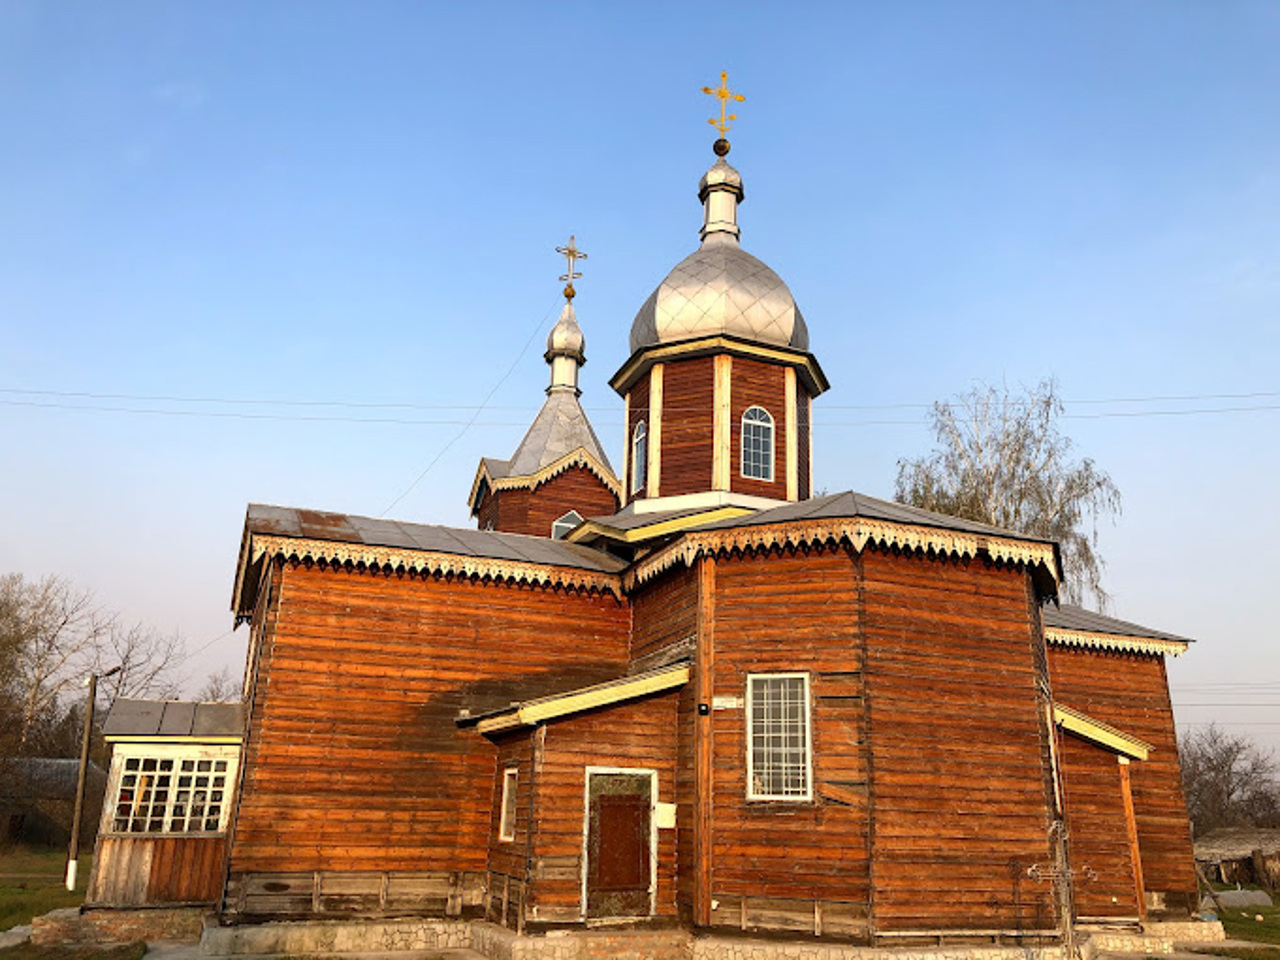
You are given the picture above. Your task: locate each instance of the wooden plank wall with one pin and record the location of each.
(638, 409)
(150, 870)
(1130, 691)
(508, 859)
(533, 511)
(791, 866)
(688, 414)
(1097, 829)
(665, 619)
(755, 383)
(637, 734)
(354, 762)
(959, 778)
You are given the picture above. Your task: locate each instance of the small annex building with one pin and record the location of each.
(692, 692)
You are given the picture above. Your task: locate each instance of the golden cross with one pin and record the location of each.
(571, 253)
(724, 95)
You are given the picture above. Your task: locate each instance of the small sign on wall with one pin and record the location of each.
(727, 703)
(664, 814)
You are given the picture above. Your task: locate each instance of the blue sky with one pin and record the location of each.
(327, 206)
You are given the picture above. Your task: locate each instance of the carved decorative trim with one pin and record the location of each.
(427, 561)
(1110, 641)
(577, 458)
(858, 531)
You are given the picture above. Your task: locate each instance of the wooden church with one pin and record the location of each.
(690, 692)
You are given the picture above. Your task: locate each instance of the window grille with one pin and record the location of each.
(562, 527)
(639, 456)
(757, 444)
(507, 824)
(172, 795)
(779, 761)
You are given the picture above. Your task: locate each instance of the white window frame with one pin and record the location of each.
(507, 812)
(639, 456)
(563, 526)
(752, 794)
(773, 445)
(122, 753)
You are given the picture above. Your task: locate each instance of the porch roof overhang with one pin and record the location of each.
(1102, 734)
(533, 712)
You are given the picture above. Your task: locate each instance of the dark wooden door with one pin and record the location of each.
(619, 862)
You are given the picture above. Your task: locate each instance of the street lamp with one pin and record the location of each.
(73, 851)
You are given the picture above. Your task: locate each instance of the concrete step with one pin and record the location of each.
(402, 937)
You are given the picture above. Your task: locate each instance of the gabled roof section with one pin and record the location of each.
(1102, 734)
(271, 531)
(858, 519)
(498, 476)
(174, 720)
(532, 712)
(1069, 626)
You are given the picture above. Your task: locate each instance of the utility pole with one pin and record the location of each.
(73, 851)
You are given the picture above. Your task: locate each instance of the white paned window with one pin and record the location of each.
(561, 528)
(172, 794)
(507, 824)
(779, 759)
(757, 444)
(639, 456)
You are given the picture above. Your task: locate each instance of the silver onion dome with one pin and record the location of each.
(720, 288)
(565, 338)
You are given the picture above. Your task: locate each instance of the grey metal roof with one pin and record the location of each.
(850, 504)
(348, 528)
(560, 428)
(1067, 617)
(173, 718)
(628, 519)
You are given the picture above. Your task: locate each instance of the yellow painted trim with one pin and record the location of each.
(805, 363)
(808, 401)
(626, 446)
(793, 450)
(594, 528)
(159, 738)
(654, 477)
(1104, 735)
(1110, 641)
(588, 698)
(721, 438)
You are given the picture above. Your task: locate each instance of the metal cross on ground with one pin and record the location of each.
(571, 253)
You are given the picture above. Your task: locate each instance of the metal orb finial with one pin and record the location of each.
(724, 95)
(571, 253)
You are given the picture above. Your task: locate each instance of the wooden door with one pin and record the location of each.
(619, 850)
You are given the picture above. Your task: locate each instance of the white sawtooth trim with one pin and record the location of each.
(1113, 641)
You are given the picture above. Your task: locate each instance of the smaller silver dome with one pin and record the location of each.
(565, 338)
(721, 174)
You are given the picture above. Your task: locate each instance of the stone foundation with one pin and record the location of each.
(182, 924)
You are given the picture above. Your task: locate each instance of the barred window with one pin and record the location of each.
(639, 456)
(757, 444)
(507, 824)
(166, 794)
(779, 761)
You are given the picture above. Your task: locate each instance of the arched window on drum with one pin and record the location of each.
(757, 444)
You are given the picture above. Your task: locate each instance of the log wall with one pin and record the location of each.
(533, 511)
(665, 619)
(804, 442)
(637, 734)
(354, 763)
(1096, 825)
(959, 775)
(1130, 691)
(789, 865)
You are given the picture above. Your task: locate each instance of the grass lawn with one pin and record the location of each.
(1240, 924)
(25, 951)
(31, 884)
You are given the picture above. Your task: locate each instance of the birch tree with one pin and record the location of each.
(1001, 459)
